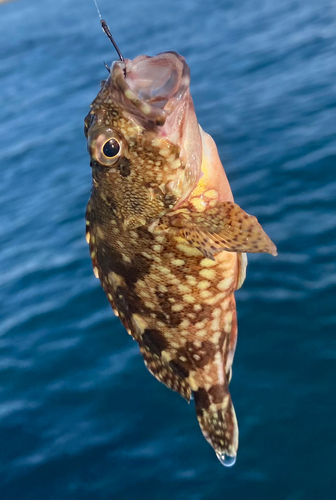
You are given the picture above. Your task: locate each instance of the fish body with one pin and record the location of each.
(166, 239)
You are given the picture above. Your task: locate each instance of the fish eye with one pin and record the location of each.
(105, 145)
(111, 148)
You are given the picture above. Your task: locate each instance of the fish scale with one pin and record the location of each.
(166, 239)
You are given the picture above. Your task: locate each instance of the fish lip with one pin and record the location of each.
(147, 107)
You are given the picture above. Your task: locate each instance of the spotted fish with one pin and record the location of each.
(166, 239)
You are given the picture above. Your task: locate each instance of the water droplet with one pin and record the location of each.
(226, 460)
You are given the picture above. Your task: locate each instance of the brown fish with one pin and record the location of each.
(166, 239)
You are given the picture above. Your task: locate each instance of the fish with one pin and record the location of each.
(167, 241)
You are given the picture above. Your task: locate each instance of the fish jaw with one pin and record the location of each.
(155, 95)
(154, 85)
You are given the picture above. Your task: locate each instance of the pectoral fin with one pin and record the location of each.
(226, 227)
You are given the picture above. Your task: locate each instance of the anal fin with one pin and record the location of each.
(165, 373)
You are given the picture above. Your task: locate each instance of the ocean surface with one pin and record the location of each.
(80, 416)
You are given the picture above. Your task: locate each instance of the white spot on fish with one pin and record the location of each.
(178, 262)
(96, 272)
(203, 285)
(224, 284)
(189, 250)
(177, 307)
(189, 299)
(228, 322)
(209, 274)
(139, 322)
(208, 262)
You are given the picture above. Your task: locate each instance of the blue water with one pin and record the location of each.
(80, 416)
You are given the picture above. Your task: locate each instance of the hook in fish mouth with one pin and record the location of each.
(155, 85)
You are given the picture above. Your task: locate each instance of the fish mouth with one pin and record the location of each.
(155, 85)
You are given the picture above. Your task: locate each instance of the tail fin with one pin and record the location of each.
(218, 422)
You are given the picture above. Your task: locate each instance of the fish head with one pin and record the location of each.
(143, 136)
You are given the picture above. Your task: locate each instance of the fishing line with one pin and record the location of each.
(99, 14)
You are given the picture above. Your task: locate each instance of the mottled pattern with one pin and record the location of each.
(177, 304)
(163, 268)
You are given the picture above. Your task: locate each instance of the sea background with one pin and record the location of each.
(80, 416)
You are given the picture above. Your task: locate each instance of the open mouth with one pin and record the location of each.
(155, 85)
